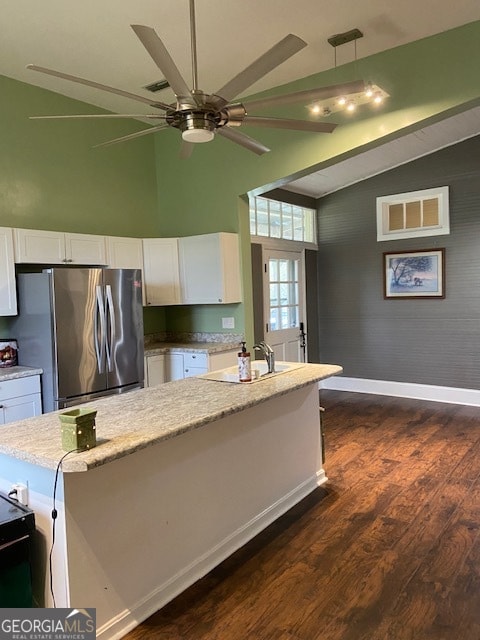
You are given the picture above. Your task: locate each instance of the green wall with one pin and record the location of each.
(426, 80)
(51, 178)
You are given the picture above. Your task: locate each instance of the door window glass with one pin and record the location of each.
(284, 294)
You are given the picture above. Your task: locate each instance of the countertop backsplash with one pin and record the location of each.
(186, 338)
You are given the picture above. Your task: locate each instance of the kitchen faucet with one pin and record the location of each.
(267, 351)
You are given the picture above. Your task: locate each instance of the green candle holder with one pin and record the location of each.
(78, 429)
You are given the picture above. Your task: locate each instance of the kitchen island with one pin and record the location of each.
(183, 474)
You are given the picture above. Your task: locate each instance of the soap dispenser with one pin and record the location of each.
(244, 365)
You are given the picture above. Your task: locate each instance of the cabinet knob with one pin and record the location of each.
(1, 406)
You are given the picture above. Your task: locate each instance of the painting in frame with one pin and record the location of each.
(414, 274)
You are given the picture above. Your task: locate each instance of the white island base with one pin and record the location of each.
(144, 528)
(183, 475)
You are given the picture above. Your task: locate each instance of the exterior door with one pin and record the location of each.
(284, 302)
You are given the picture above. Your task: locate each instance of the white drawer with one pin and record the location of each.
(19, 387)
(194, 371)
(195, 360)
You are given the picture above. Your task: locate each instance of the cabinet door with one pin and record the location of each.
(124, 253)
(8, 293)
(20, 408)
(85, 249)
(161, 274)
(174, 368)
(155, 370)
(39, 247)
(210, 269)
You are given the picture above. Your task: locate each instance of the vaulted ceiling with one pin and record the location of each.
(94, 40)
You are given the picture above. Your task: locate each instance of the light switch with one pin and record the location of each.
(228, 323)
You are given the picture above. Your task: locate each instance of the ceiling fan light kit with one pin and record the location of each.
(198, 115)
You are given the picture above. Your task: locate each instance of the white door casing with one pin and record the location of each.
(284, 306)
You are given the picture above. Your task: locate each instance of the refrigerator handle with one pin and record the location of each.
(99, 319)
(110, 310)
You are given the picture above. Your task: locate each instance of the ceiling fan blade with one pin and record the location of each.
(309, 95)
(97, 85)
(131, 136)
(100, 115)
(186, 149)
(158, 52)
(243, 140)
(287, 123)
(280, 52)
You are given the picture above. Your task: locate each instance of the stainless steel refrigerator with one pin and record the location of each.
(84, 328)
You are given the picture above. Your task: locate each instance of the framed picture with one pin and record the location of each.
(414, 274)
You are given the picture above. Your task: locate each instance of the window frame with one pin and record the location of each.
(441, 194)
(284, 210)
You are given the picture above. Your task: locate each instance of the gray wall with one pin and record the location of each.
(433, 341)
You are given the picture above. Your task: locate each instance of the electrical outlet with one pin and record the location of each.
(20, 493)
(228, 323)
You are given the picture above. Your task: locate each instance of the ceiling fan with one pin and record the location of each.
(198, 115)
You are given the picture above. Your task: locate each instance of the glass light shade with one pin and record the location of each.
(197, 135)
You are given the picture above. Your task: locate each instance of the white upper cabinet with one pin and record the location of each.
(85, 249)
(210, 269)
(55, 247)
(8, 293)
(161, 275)
(124, 253)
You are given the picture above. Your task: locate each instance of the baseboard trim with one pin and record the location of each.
(451, 395)
(119, 626)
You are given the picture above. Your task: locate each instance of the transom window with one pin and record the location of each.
(274, 219)
(414, 214)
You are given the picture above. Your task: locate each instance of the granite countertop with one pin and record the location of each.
(128, 422)
(12, 373)
(157, 348)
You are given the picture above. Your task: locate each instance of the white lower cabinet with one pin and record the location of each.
(154, 370)
(20, 399)
(8, 292)
(185, 365)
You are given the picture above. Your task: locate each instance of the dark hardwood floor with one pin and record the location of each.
(388, 549)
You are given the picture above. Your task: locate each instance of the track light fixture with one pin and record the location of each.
(371, 94)
(369, 90)
(350, 106)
